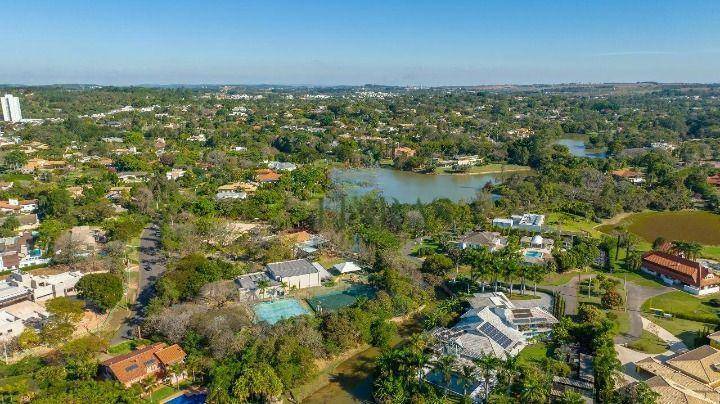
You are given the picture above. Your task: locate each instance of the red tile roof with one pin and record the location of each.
(679, 268)
(714, 180)
(141, 363)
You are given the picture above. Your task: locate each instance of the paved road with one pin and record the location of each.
(636, 296)
(569, 292)
(152, 265)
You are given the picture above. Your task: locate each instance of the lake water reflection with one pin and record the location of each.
(408, 187)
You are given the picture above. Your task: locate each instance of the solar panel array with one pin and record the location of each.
(496, 335)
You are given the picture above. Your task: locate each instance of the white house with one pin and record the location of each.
(299, 273)
(46, 286)
(527, 222)
(10, 326)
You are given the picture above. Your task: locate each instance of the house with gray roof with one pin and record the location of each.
(258, 285)
(299, 273)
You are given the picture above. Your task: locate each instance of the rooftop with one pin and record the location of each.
(291, 268)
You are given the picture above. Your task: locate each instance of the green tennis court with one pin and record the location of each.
(336, 300)
(274, 311)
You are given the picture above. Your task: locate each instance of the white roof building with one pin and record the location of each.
(347, 267)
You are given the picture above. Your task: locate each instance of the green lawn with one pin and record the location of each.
(686, 330)
(534, 352)
(127, 346)
(162, 393)
(622, 320)
(648, 343)
(682, 303)
(557, 279)
(488, 168)
(573, 223)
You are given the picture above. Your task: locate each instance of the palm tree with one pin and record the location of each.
(487, 365)
(509, 271)
(571, 397)
(533, 391)
(263, 284)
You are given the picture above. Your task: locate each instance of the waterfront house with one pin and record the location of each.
(527, 222)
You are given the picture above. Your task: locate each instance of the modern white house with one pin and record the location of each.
(11, 108)
(299, 273)
(45, 287)
(527, 221)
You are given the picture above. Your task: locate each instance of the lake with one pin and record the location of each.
(408, 187)
(577, 146)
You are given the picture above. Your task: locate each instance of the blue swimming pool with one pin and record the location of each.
(276, 310)
(533, 254)
(189, 399)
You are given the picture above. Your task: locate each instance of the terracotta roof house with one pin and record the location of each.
(150, 361)
(673, 269)
(634, 176)
(403, 151)
(714, 180)
(266, 175)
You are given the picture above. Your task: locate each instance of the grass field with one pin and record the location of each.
(488, 169)
(573, 223)
(678, 302)
(686, 330)
(648, 343)
(534, 352)
(688, 225)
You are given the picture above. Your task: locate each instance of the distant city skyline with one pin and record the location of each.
(415, 43)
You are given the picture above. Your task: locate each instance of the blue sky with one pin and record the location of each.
(355, 42)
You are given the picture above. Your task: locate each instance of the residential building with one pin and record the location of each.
(152, 361)
(298, 273)
(258, 285)
(530, 321)
(11, 294)
(174, 174)
(466, 161)
(11, 108)
(714, 339)
(225, 195)
(491, 240)
(493, 326)
(45, 287)
(628, 174)
(714, 180)
(13, 205)
(281, 166)
(10, 326)
(37, 164)
(527, 222)
(132, 176)
(683, 382)
(401, 151)
(693, 277)
(266, 175)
